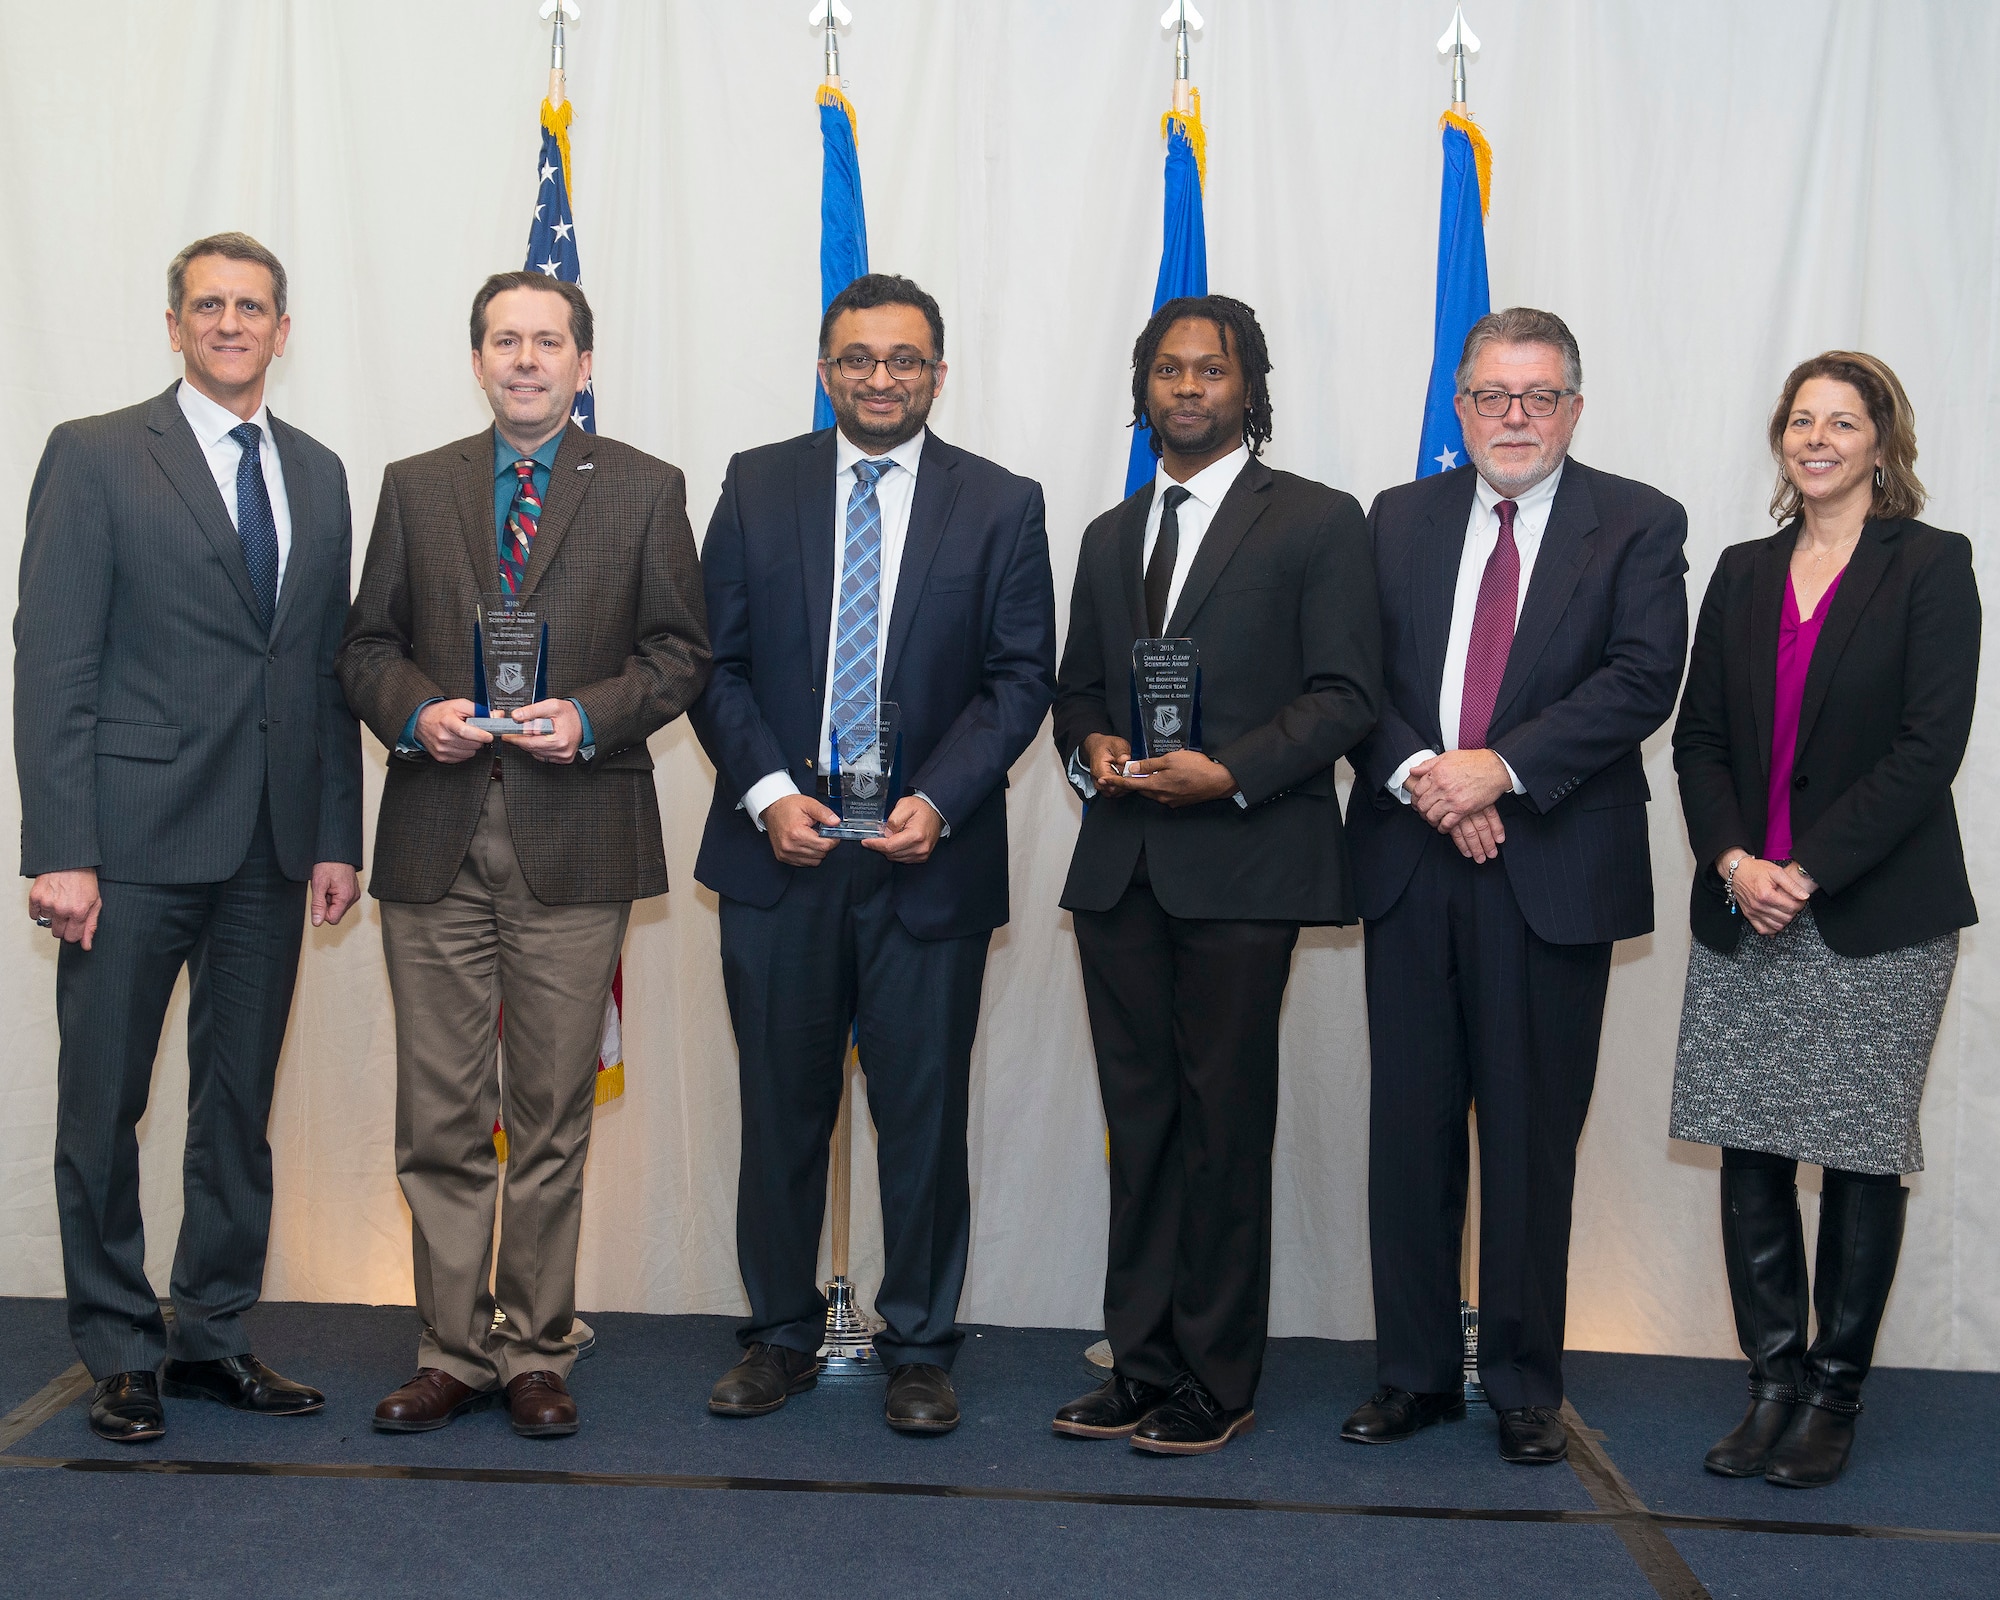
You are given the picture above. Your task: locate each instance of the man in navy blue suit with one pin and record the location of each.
(1534, 624)
(870, 562)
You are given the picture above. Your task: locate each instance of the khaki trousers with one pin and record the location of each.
(452, 966)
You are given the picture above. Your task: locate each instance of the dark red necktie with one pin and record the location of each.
(1492, 634)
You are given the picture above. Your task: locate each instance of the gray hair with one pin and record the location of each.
(231, 247)
(1521, 325)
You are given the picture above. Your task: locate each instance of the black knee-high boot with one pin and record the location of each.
(1764, 1250)
(1860, 1237)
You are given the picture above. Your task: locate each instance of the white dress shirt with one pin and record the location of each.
(894, 492)
(1482, 534)
(1205, 491)
(211, 424)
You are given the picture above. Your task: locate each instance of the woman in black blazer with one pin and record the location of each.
(1828, 701)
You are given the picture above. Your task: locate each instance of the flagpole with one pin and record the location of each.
(1461, 45)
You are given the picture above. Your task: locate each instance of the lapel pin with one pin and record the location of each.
(586, 466)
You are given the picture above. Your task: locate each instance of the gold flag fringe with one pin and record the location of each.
(830, 96)
(1192, 128)
(1482, 154)
(555, 120)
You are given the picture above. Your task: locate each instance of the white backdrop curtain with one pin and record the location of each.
(1708, 192)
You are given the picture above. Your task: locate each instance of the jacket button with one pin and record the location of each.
(273, 658)
(1799, 782)
(263, 723)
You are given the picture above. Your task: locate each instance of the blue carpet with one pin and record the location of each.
(643, 1401)
(80, 1536)
(1926, 1451)
(34, 1347)
(1751, 1566)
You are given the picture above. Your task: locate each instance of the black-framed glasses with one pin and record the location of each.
(858, 367)
(1534, 402)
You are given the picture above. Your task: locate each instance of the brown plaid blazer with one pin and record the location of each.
(615, 576)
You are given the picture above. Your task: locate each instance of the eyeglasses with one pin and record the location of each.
(1534, 402)
(859, 368)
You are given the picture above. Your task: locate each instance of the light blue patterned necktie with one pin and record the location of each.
(859, 620)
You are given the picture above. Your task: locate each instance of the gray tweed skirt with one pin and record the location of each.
(1790, 1048)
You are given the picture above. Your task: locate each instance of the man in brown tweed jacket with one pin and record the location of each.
(506, 869)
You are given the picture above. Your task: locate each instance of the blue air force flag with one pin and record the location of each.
(1462, 296)
(1183, 249)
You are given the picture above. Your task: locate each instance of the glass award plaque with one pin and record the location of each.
(510, 646)
(1166, 697)
(863, 777)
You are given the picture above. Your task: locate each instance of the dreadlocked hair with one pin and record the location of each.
(1241, 338)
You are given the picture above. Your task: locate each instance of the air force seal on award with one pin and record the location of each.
(510, 678)
(1166, 720)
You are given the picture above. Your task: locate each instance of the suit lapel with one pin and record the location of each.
(1131, 557)
(1434, 578)
(1240, 508)
(179, 454)
(1865, 569)
(1760, 661)
(570, 477)
(1558, 564)
(298, 498)
(472, 485)
(930, 511)
(817, 468)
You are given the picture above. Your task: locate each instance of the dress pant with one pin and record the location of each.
(453, 966)
(1467, 1006)
(830, 954)
(239, 940)
(1184, 1019)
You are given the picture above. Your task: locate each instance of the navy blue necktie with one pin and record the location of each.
(255, 525)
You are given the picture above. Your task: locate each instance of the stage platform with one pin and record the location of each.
(656, 1497)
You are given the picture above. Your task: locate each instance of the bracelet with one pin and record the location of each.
(1729, 883)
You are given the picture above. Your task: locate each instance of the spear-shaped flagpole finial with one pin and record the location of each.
(832, 16)
(558, 12)
(1459, 45)
(1183, 19)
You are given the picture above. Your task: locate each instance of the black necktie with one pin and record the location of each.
(1166, 551)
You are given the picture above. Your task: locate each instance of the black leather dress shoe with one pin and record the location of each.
(1391, 1414)
(1532, 1436)
(1111, 1410)
(1190, 1422)
(243, 1383)
(763, 1380)
(921, 1399)
(126, 1408)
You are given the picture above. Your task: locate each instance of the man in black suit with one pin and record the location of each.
(1534, 626)
(867, 562)
(190, 783)
(1194, 870)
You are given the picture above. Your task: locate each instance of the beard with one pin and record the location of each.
(1189, 440)
(884, 433)
(1520, 476)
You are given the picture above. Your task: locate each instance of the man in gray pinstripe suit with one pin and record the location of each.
(190, 783)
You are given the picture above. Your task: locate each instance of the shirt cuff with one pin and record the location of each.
(586, 748)
(1398, 784)
(1079, 775)
(927, 800)
(1513, 777)
(408, 745)
(1240, 801)
(772, 786)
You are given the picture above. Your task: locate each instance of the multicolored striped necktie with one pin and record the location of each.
(851, 719)
(523, 517)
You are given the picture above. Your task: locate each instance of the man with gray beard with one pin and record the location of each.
(1534, 618)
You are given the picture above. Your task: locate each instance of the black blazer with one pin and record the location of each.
(969, 661)
(1594, 668)
(153, 709)
(1279, 599)
(1882, 729)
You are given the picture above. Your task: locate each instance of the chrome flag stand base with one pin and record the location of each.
(1468, 1322)
(849, 1351)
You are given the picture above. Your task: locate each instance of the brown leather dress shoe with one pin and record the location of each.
(428, 1401)
(540, 1406)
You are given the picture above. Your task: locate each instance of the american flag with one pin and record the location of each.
(552, 234)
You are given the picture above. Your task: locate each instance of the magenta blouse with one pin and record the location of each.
(1795, 651)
